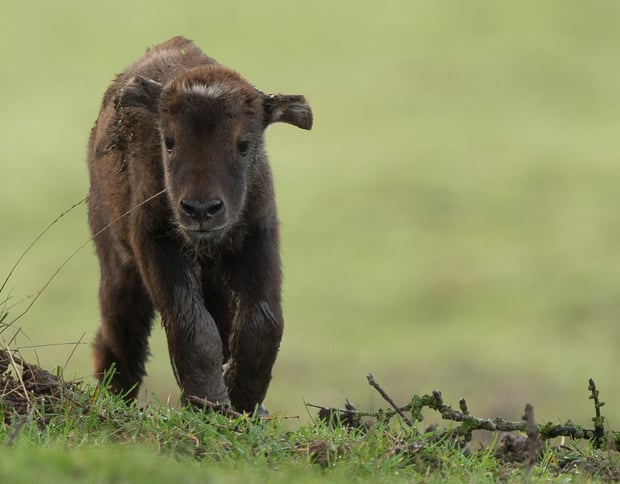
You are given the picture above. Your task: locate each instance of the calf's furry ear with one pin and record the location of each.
(286, 108)
(140, 92)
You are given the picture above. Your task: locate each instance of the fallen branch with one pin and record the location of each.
(469, 423)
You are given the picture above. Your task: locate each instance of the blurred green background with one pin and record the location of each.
(451, 222)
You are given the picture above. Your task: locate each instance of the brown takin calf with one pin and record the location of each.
(184, 220)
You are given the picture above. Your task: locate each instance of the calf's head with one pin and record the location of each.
(211, 124)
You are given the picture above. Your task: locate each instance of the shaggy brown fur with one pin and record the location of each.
(204, 253)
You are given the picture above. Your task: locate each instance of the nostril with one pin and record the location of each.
(214, 207)
(190, 208)
(201, 211)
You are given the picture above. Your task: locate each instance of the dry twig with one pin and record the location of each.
(387, 398)
(217, 407)
(532, 443)
(599, 421)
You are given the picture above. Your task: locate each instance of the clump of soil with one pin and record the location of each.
(27, 388)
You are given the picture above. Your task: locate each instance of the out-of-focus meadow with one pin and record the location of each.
(451, 222)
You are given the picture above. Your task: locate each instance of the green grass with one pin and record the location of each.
(451, 222)
(77, 433)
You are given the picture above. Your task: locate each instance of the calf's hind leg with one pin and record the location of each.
(126, 321)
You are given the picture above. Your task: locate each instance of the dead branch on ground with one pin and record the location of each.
(468, 422)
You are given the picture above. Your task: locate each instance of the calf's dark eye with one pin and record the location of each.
(243, 147)
(169, 143)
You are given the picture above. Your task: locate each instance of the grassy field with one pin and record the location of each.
(52, 431)
(451, 222)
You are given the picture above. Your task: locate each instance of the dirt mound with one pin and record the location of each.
(26, 388)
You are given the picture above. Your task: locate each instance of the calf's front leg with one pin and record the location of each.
(257, 326)
(194, 341)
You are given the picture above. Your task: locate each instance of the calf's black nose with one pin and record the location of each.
(200, 211)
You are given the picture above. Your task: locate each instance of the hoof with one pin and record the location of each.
(261, 411)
